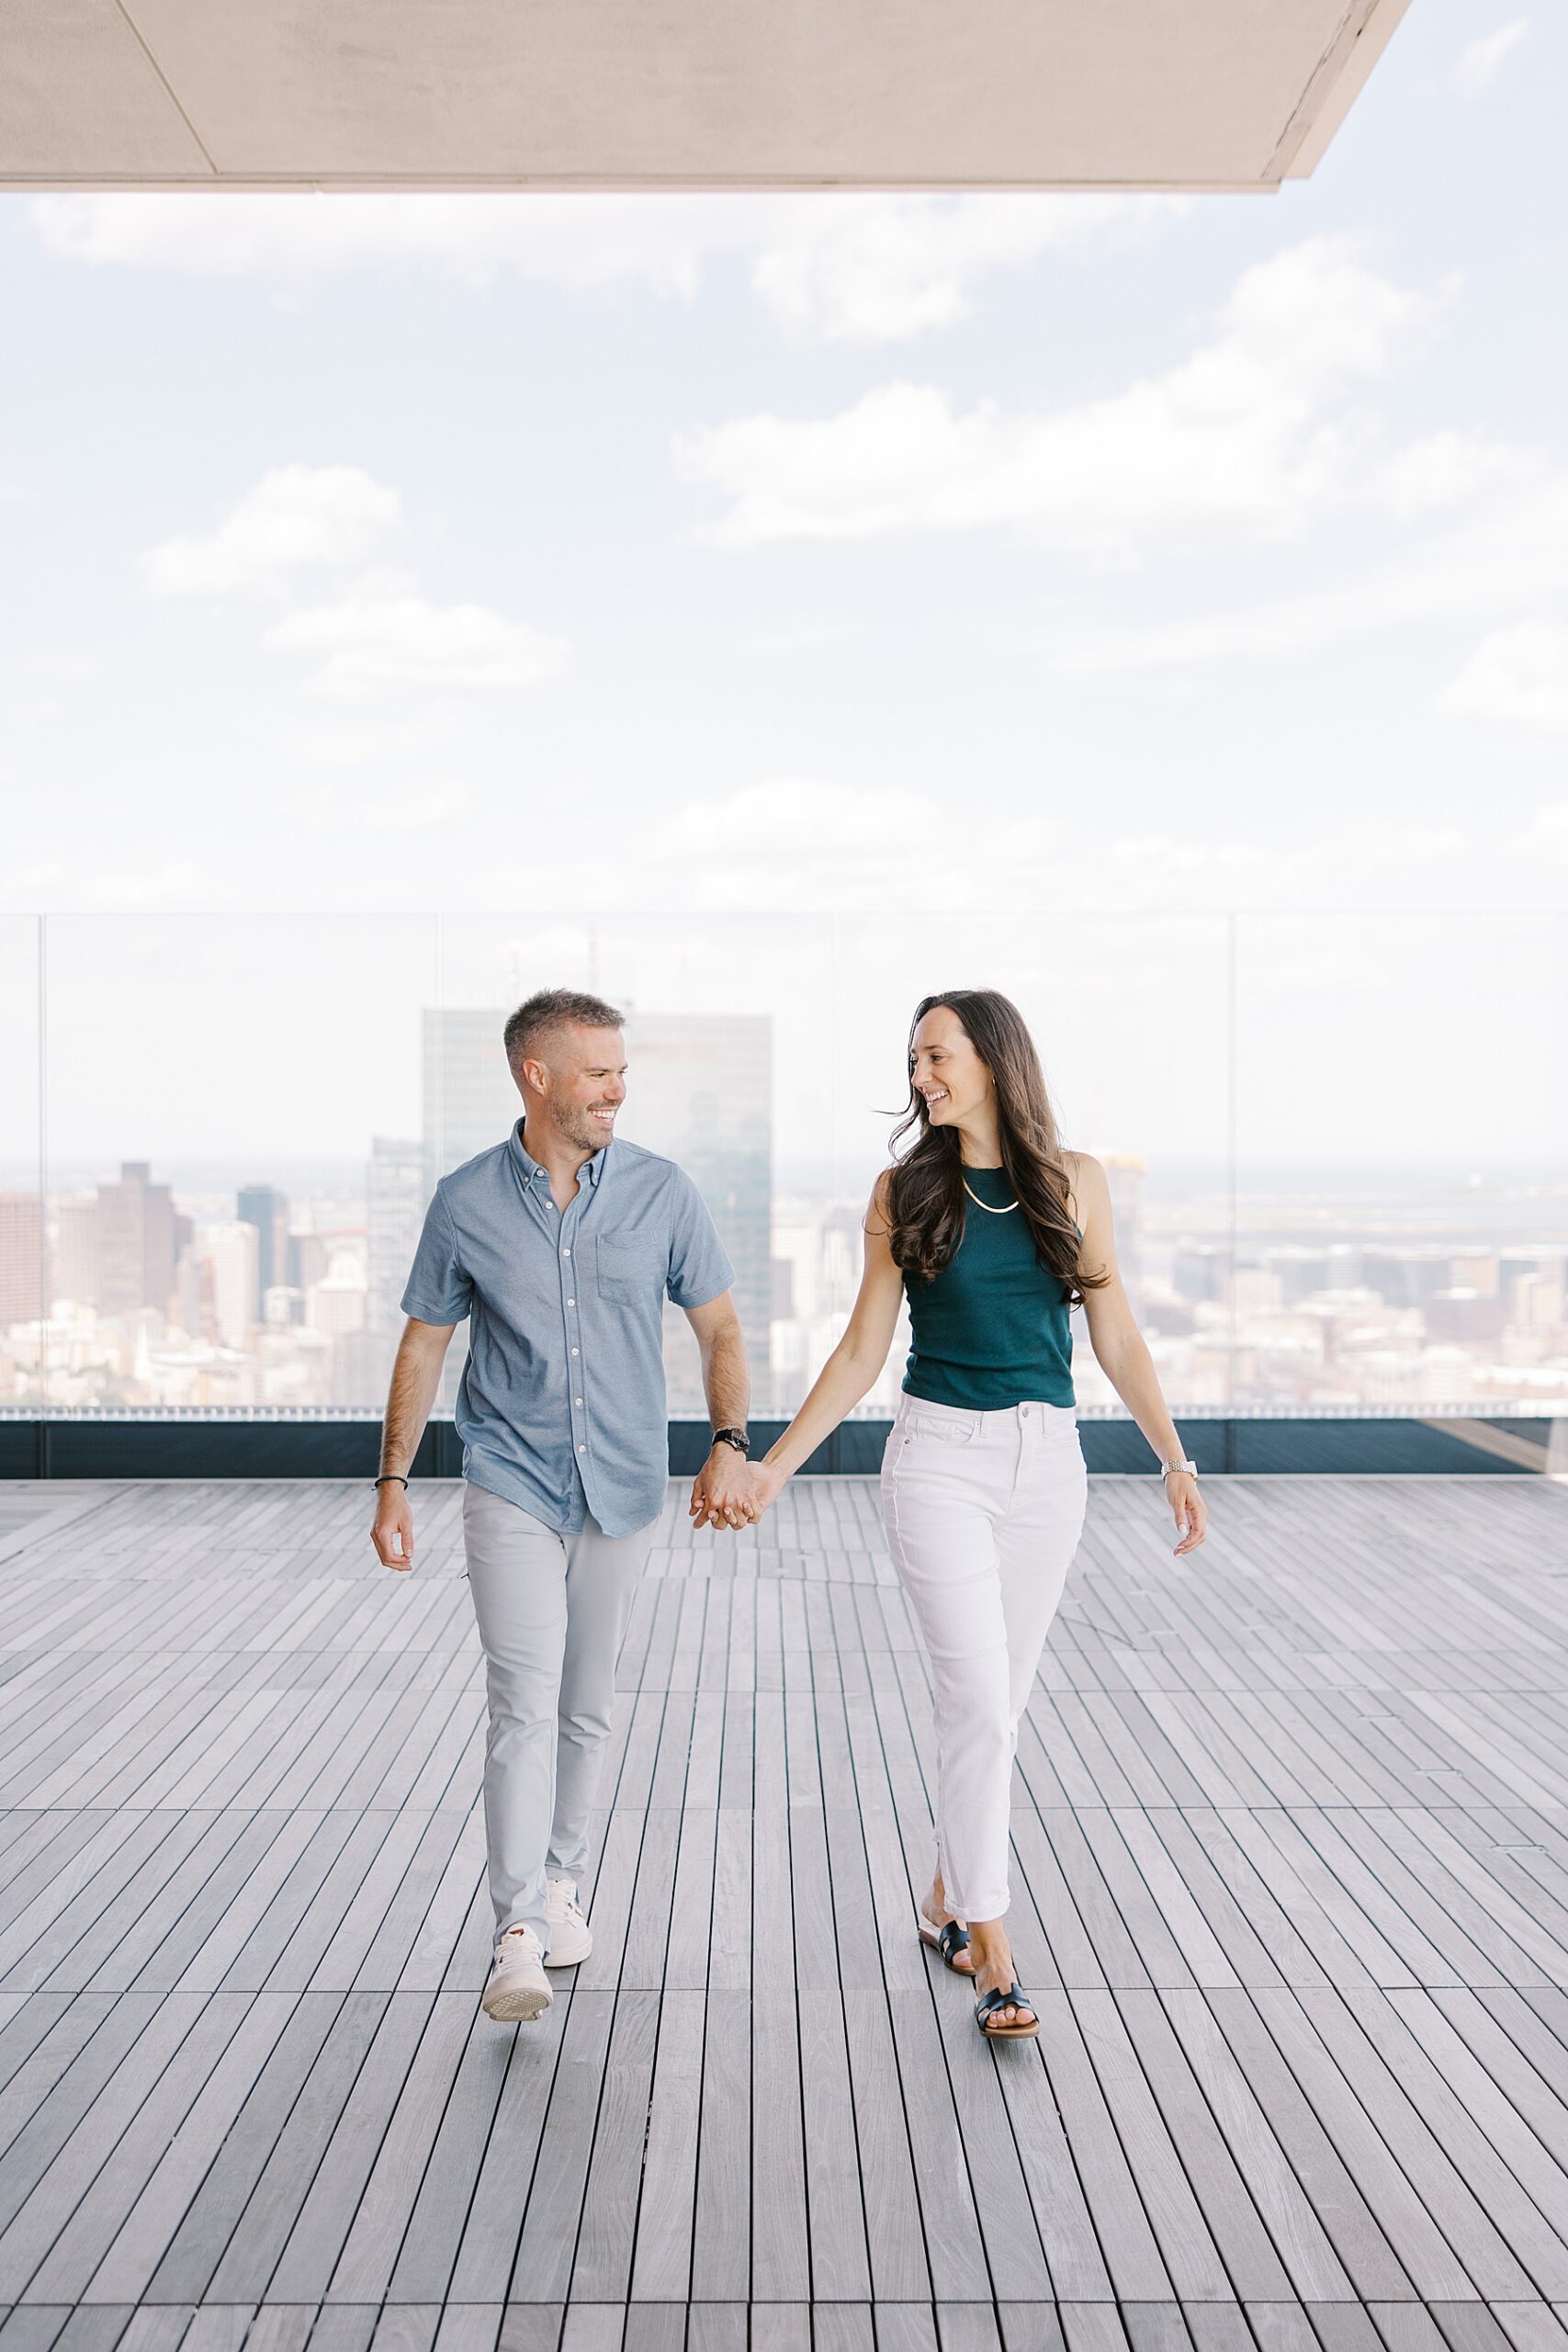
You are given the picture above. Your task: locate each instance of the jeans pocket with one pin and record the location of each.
(928, 1429)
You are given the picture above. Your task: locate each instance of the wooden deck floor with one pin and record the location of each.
(1291, 1892)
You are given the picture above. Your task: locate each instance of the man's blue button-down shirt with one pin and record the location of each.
(561, 1408)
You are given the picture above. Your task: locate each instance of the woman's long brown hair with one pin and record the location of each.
(926, 1195)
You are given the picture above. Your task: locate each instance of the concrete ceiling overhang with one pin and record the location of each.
(646, 93)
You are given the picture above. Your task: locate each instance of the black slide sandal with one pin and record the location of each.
(949, 1940)
(1016, 1998)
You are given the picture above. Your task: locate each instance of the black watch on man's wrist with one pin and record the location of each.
(740, 1439)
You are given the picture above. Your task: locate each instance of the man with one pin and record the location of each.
(560, 1245)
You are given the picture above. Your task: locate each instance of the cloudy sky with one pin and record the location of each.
(913, 560)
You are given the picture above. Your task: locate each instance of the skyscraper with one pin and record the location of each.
(699, 1090)
(229, 1246)
(1124, 1172)
(75, 1263)
(469, 1101)
(394, 1210)
(141, 1235)
(21, 1259)
(266, 1208)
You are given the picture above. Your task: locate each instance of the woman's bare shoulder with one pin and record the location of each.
(1085, 1182)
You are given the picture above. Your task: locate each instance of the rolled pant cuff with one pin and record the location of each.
(995, 1908)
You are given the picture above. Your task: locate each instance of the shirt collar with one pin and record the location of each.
(534, 1172)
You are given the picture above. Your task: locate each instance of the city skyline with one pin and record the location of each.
(1318, 1315)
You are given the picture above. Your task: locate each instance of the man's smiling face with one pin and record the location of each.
(584, 1072)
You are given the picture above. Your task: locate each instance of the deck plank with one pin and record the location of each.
(1291, 1892)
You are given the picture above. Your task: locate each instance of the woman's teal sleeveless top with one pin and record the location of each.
(991, 1330)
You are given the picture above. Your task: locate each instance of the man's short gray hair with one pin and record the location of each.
(552, 1009)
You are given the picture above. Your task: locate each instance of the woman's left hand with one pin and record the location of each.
(1190, 1509)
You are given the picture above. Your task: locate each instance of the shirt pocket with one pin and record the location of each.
(629, 1271)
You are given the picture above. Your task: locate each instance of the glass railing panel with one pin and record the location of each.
(233, 1166)
(1401, 1187)
(222, 1133)
(27, 1278)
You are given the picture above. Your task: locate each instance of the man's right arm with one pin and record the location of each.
(416, 1376)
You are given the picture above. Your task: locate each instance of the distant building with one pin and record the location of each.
(394, 1212)
(336, 1305)
(231, 1247)
(1124, 1173)
(1476, 1270)
(1464, 1317)
(1201, 1270)
(1534, 1286)
(141, 1235)
(1406, 1277)
(1301, 1269)
(22, 1284)
(307, 1258)
(76, 1262)
(699, 1090)
(468, 1099)
(266, 1208)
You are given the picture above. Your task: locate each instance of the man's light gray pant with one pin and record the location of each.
(551, 1610)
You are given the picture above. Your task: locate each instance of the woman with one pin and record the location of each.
(993, 1231)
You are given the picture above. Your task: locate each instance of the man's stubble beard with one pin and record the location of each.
(580, 1130)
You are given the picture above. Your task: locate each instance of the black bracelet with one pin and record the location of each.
(387, 1478)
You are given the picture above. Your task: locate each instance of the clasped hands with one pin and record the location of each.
(729, 1491)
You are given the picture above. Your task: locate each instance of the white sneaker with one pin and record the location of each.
(518, 1986)
(571, 1939)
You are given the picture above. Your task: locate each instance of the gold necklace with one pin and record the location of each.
(979, 1203)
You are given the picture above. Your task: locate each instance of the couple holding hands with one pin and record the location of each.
(561, 1246)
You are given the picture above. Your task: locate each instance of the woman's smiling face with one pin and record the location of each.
(945, 1069)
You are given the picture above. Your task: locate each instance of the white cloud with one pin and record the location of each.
(880, 270)
(48, 879)
(1248, 438)
(802, 844)
(830, 266)
(409, 807)
(1503, 549)
(296, 241)
(296, 518)
(370, 742)
(381, 637)
(1516, 678)
(783, 815)
(1545, 839)
(799, 844)
(378, 635)
(1478, 63)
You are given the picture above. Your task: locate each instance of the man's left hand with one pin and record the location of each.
(721, 1495)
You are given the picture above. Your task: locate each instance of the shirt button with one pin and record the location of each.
(577, 1400)
(571, 1302)
(582, 1449)
(565, 1253)
(574, 1351)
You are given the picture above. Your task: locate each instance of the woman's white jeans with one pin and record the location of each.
(983, 1511)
